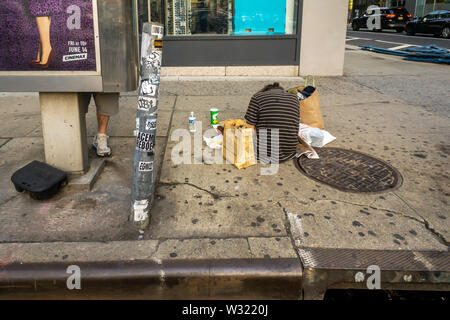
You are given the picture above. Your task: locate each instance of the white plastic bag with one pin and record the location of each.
(214, 142)
(315, 136)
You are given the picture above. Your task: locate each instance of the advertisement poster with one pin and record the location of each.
(47, 35)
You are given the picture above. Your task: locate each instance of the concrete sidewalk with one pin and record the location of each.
(215, 211)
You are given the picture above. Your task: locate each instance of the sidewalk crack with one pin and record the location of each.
(425, 222)
(216, 196)
(249, 248)
(287, 226)
(7, 140)
(9, 199)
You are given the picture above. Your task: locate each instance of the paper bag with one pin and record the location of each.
(310, 112)
(237, 146)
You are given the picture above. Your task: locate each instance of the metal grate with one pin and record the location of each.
(350, 171)
(350, 259)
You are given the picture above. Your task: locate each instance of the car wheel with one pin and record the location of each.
(445, 33)
(355, 26)
(410, 31)
(399, 30)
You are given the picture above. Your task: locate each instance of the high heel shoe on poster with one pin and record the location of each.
(50, 61)
(37, 61)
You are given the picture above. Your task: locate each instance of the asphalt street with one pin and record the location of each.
(419, 83)
(391, 40)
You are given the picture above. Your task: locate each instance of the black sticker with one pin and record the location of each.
(144, 141)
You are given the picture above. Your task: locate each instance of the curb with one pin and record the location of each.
(158, 279)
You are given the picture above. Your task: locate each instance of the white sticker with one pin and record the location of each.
(74, 57)
(137, 122)
(150, 124)
(155, 56)
(146, 166)
(146, 104)
(144, 142)
(149, 89)
(140, 207)
(157, 31)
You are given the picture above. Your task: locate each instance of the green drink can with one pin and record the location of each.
(214, 117)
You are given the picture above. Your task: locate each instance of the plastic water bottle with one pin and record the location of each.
(192, 122)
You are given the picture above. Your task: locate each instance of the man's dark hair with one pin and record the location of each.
(271, 86)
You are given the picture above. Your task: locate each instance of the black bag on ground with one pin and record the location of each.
(41, 180)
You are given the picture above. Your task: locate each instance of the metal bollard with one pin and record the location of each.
(146, 120)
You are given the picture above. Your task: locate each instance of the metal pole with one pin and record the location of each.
(146, 119)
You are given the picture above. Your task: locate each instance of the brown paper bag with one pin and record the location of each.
(237, 146)
(310, 112)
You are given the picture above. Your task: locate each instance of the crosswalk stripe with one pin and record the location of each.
(402, 47)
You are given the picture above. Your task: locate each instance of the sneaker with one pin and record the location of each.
(100, 144)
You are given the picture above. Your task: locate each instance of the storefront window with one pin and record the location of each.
(231, 17)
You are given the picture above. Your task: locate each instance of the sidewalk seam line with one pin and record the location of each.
(287, 227)
(158, 175)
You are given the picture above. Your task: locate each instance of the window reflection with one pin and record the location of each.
(231, 17)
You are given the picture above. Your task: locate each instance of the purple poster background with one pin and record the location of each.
(19, 34)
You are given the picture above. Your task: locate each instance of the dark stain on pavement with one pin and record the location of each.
(399, 237)
(357, 224)
(445, 148)
(420, 155)
(365, 212)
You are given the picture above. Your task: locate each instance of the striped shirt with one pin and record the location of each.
(275, 109)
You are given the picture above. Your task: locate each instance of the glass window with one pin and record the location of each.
(231, 17)
(156, 11)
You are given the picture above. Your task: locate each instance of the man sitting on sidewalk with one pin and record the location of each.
(274, 108)
(107, 105)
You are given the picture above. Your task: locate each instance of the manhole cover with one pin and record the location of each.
(350, 171)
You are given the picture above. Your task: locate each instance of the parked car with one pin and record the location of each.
(436, 22)
(390, 18)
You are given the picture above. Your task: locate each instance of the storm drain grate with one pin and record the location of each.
(347, 259)
(350, 171)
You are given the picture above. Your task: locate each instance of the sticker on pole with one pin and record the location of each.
(155, 55)
(157, 31)
(145, 166)
(148, 89)
(146, 104)
(150, 124)
(140, 208)
(157, 44)
(144, 142)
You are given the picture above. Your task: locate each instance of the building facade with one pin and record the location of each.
(227, 32)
